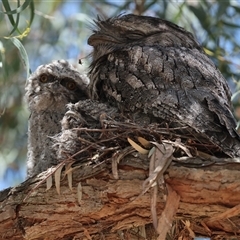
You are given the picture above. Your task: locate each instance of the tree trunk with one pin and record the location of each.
(101, 207)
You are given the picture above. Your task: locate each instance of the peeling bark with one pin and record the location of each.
(111, 208)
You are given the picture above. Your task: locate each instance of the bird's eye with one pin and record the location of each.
(71, 85)
(44, 78)
(134, 36)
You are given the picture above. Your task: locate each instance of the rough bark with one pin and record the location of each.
(112, 208)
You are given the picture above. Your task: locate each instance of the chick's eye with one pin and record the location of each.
(44, 78)
(71, 85)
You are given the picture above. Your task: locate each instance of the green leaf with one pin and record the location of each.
(10, 17)
(235, 95)
(16, 22)
(23, 54)
(32, 9)
(222, 9)
(232, 25)
(3, 61)
(17, 10)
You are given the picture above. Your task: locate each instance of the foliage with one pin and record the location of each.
(34, 33)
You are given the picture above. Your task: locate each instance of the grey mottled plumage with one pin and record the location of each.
(153, 66)
(48, 90)
(83, 114)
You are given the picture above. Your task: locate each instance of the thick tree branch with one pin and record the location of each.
(210, 199)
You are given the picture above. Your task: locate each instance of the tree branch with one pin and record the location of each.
(209, 200)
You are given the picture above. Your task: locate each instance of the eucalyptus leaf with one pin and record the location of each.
(23, 54)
